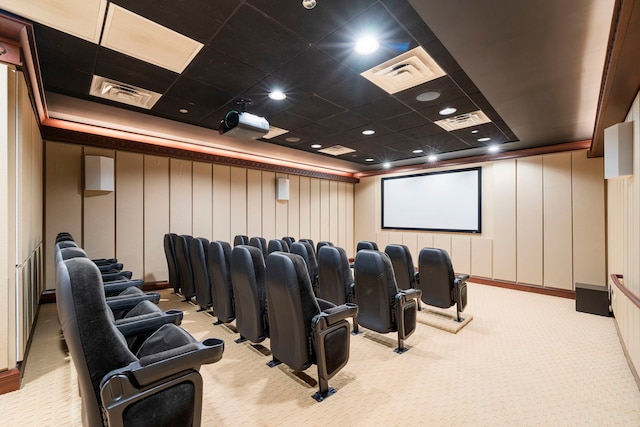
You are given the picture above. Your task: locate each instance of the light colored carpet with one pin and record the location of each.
(526, 359)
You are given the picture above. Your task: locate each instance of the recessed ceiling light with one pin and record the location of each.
(368, 160)
(292, 139)
(316, 146)
(475, 131)
(494, 148)
(183, 110)
(277, 95)
(368, 132)
(485, 139)
(447, 111)
(432, 158)
(417, 151)
(366, 45)
(428, 96)
(386, 165)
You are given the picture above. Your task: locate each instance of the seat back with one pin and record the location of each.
(240, 240)
(305, 250)
(321, 244)
(403, 268)
(172, 265)
(334, 275)
(198, 253)
(247, 278)
(94, 343)
(436, 277)
(260, 243)
(220, 280)
(313, 245)
(291, 308)
(184, 265)
(364, 244)
(290, 240)
(277, 245)
(375, 288)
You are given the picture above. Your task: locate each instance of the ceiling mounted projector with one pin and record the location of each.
(243, 125)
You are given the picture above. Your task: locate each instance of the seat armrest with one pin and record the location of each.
(335, 314)
(461, 278)
(115, 287)
(125, 302)
(410, 293)
(161, 365)
(324, 304)
(104, 261)
(151, 322)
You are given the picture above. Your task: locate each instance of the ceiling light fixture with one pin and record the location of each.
(447, 111)
(309, 4)
(386, 165)
(277, 95)
(292, 139)
(368, 132)
(183, 110)
(485, 139)
(316, 146)
(475, 131)
(432, 158)
(428, 96)
(366, 45)
(368, 160)
(494, 148)
(417, 151)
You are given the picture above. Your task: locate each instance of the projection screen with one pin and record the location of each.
(439, 201)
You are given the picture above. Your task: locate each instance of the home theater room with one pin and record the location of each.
(312, 212)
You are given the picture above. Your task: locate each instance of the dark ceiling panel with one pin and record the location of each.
(69, 52)
(196, 19)
(72, 82)
(169, 106)
(344, 121)
(351, 92)
(315, 108)
(200, 94)
(381, 109)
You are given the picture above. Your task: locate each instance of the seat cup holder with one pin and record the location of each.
(173, 312)
(212, 342)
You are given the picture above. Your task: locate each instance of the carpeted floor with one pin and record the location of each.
(524, 359)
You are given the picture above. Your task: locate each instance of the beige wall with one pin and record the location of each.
(156, 195)
(20, 216)
(542, 222)
(623, 243)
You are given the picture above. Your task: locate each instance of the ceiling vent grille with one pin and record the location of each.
(337, 150)
(405, 71)
(463, 121)
(123, 93)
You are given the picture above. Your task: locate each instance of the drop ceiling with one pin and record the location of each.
(519, 74)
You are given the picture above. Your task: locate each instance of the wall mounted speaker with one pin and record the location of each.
(618, 150)
(98, 173)
(282, 189)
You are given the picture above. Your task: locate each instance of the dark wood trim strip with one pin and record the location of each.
(563, 293)
(55, 134)
(10, 380)
(627, 356)
(527, 152)
(155, 286)
(615, 278)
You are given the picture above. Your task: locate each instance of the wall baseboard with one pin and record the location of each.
(10, 380)
(563, 293)
(627, 356)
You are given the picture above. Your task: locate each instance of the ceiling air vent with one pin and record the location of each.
(123, 93)
(405, 71)
(463, 121)
(337, 150)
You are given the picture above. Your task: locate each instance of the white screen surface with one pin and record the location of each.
(443, 201)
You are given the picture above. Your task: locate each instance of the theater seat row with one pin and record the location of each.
(135, 366)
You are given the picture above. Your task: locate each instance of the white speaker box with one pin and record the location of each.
(618, 150)
(282, 189)
(98, 173)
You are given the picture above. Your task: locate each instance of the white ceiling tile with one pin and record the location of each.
(80, 18)
(141, 38)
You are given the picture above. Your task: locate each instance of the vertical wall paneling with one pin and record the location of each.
(202, 200)
(129, 171)
(461, 254)
(504, 220)
(180, 197)
(305, 207)
(529, 220)
(221, 203)
(334, 211)
(558, 243)
(383, 238)
(156, 216)
(349, 219)
(238, 201)
(99, 215)
(293, 213)
(365, 204)
(282, 212)
(63, 198)
(410, 240)
(481, 257)
(269, 205)
(342, 217)
(442, 241)
(254, 203)
(314, 209)
(424, 241)
(588, 219)
(325, 210)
